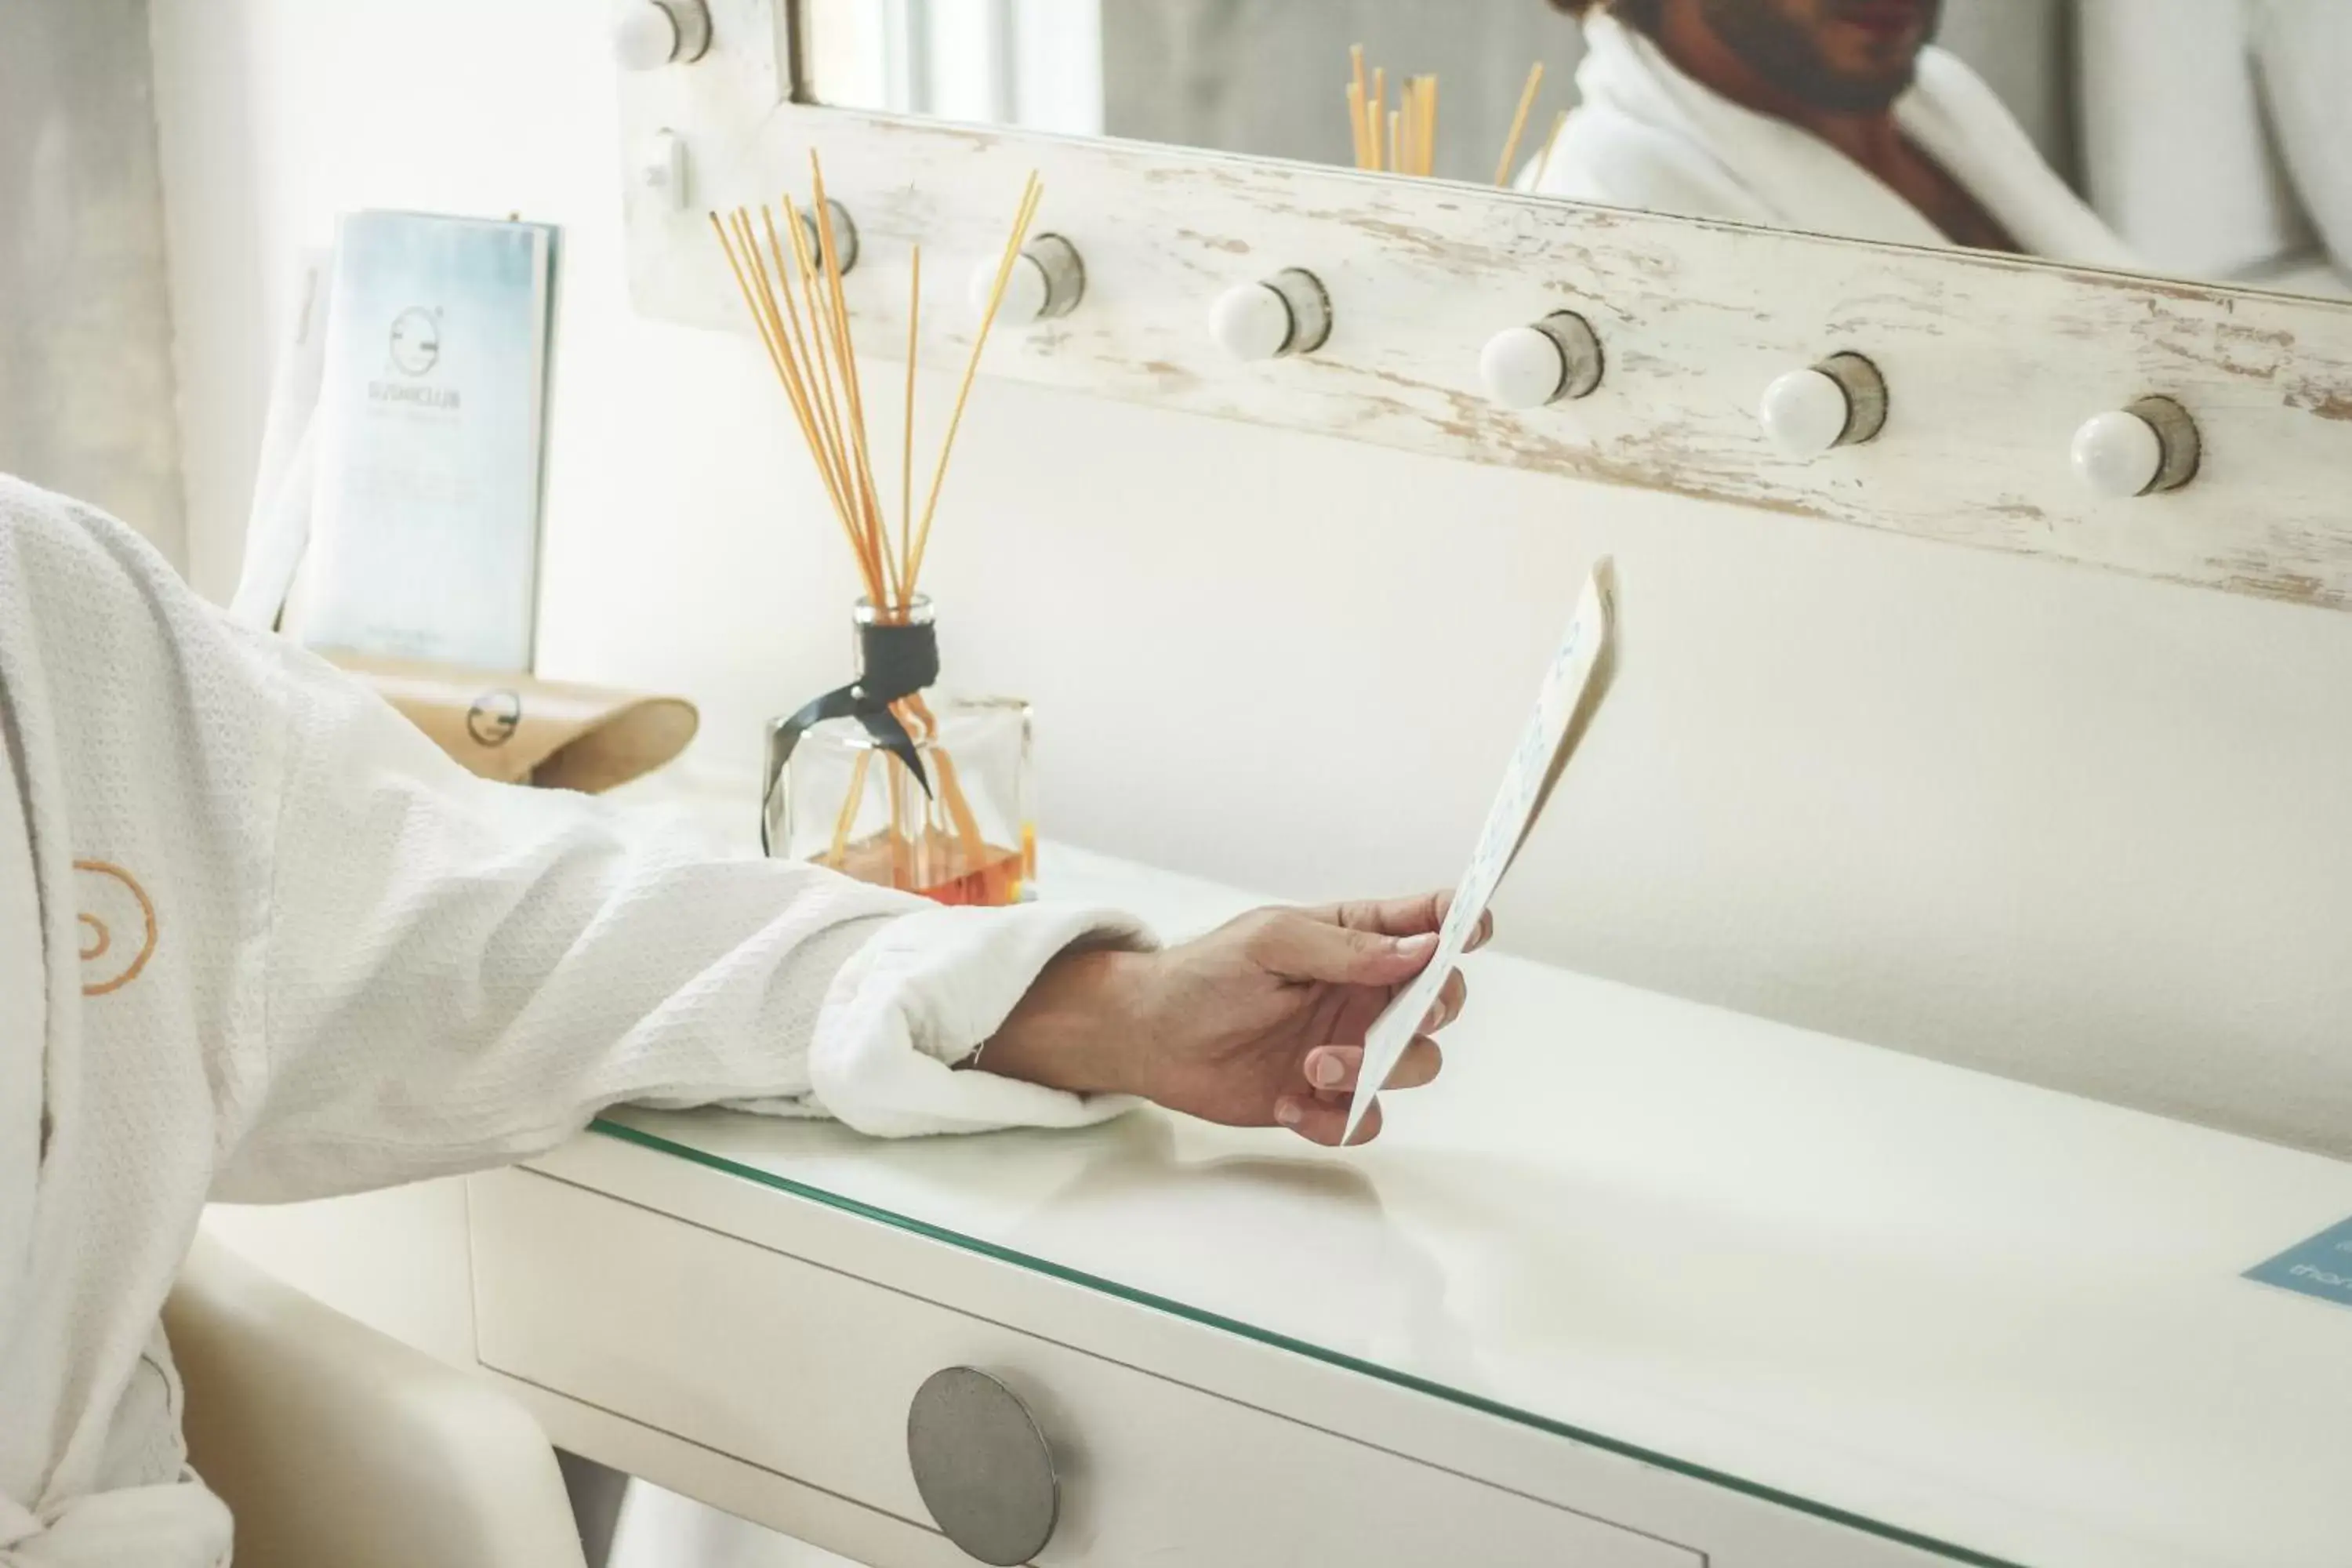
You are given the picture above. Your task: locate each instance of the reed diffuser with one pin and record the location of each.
(882, 779)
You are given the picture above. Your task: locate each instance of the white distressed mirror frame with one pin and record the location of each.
(1991, 362)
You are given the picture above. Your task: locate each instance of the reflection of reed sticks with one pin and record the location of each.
(1356, 100)
(800, 312)
(1400, 139)
(1519, 123)
(1543, 159)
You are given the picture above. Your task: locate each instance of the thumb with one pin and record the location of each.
(1300, 947)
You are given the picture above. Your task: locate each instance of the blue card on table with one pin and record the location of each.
(2321, 1267)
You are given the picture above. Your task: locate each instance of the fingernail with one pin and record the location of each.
(1287, 1111)
(1433, 1020)
(1419, 946)
(1328, 1071)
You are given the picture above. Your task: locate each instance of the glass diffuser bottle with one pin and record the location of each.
(962, 830)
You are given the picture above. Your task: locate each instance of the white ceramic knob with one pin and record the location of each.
(1287, 314)
(1252, 321)
(2150, 445)
(1026, 291)
(645, 37)
(1528, 367)
(1804, 413)
(651, 34)
(1047, 280)
(2117, 454)
(1839, 401)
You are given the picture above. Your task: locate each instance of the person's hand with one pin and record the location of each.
(1260, 1023)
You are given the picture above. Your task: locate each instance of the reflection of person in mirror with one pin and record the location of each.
(1829, 116)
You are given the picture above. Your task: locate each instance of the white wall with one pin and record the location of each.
(2093, 832)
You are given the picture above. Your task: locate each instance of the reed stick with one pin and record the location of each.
(1519, 123)
(765, 314)
(907, 457)
(812, 343)
(806, 334)
(820, 274)
(951, 793)
(1030, 197)
(846, 823)
(1359, 95)
(1543, 159)
(1399, 138)
(846, 353)
(1428, 132)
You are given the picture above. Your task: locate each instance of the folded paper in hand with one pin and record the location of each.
(1560, 712)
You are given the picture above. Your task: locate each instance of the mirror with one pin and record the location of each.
(2188, 137)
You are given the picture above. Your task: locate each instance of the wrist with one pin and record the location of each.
(1082, 1026)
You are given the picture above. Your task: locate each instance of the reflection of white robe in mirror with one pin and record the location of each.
(1645, 135)
(2303, 47)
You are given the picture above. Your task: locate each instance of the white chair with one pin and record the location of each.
(337, 1446)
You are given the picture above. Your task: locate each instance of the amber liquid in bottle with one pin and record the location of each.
(947, 875)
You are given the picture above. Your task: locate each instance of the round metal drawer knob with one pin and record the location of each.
(982, 1467)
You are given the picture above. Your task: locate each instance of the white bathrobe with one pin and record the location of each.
(260, 940)
(1645, 135)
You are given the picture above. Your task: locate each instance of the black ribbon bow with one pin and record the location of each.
(896, 661)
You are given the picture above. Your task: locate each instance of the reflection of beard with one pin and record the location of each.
(1782, 49)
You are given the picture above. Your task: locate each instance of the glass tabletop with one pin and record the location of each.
(1995, 1322)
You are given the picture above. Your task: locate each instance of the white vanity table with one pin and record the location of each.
(1638, 1283)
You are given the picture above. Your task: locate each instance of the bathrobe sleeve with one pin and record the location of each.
(397, 970)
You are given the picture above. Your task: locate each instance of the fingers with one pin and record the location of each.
(1320, 1115)
(1333, 1069)
(1402, 917)
(1323, 1121)
(1483, 934)
(1389, 916)
(1452, 997)
(1297, 945)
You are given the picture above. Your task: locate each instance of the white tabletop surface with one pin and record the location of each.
(1990, 1314)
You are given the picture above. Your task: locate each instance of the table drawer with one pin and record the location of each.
(809, 1372)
